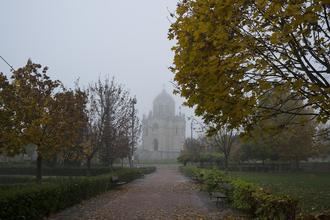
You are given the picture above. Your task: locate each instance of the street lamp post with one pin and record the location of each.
(192, 119)
(191, 128)
(133, 102)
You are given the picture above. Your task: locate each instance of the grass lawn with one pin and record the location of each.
(312, 190)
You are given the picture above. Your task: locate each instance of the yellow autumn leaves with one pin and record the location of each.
(228, 54)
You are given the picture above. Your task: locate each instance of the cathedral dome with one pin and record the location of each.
(164, 105)
(164, 97)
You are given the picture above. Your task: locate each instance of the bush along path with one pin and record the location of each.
(163, 195)
(34, 201)
(255, 201)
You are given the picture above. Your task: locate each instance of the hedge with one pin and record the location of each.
(245, 196)
(38, 201)
(54, 171)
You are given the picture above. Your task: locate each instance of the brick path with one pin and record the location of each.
(165, 194)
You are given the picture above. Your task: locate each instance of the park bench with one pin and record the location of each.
(115, 180)
(221, 197)
(195, 179)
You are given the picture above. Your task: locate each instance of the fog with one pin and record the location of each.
(86, 155)
(88, 39)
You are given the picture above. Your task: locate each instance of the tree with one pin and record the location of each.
(115, 103)
(92, 132)
(135, 130)
(257, 150)
(284, 137)
(297, 143)
(223, 139)
(34, 107)
(191, 152)
(121, 148)
(9, 131)
(73, 105)
(322, 140)
(199, 151)
(65, 124)
(229, 54)
(42, 112)
(108, 131)
(211, 158)
(99, 130)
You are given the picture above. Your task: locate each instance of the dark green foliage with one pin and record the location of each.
(246, 196)
(54, 171)
(311, 189)
(34, 201)
(202, 152)
(211, 157)
(5, 180)
(242, 195)
(214, 181)
(192, 172)
(201, 157)
(260, 203)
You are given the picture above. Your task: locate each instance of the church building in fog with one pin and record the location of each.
(163, 131)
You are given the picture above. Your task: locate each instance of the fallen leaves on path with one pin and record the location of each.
(164, 195)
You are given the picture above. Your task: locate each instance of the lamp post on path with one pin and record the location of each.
(192, 129)
(133, 102)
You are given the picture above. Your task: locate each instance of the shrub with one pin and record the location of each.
(193, 172)
(6, 180)
(212, 157)
(246, 196)
(54, 171)
(260, 203)
(242, 195)
(213, 180)
(269, 206)
(200, 157)
(37, 201)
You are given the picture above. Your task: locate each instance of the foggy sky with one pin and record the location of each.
(87, 39)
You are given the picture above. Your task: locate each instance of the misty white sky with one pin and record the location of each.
(88, 39)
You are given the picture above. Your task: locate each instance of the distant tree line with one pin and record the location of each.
(275, 138)
(195, 151)
(65, 124)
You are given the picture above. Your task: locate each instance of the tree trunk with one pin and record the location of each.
(122, 162)
(39, 168)
(88, 173)
(130, 161)
(226, 163)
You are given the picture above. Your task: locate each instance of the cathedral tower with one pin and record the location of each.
(163, 131)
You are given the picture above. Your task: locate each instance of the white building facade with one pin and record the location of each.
(163, 131)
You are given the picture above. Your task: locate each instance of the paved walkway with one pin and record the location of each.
(165, 194)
